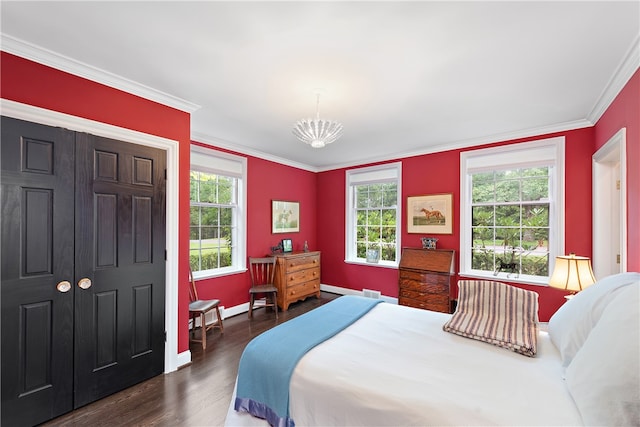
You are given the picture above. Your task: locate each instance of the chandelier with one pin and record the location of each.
(317, 132)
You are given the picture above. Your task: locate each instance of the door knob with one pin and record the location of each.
(64, 286)
(84, 283)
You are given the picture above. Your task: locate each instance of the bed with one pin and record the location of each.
(395, 365)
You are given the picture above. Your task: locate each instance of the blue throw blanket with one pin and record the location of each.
(268, 361)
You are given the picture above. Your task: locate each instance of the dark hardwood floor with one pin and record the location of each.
(196, 395)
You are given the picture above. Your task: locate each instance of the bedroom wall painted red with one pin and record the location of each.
(624, 111)
(322, 195)
(31, 83)
(266, 181)
(440, 173)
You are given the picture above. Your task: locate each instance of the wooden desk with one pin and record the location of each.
(425, 277)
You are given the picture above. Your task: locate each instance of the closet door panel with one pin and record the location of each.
(37, 289)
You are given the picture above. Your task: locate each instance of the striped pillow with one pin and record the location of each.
(498, 314)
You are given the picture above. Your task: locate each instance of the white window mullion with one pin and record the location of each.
(222, 169)
(544, 153)
(365, 177)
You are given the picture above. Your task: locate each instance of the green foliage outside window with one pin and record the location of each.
(213, 200)
(376, 219)
(510, 221)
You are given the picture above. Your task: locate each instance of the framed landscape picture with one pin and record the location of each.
(285, 217)
(431, 214)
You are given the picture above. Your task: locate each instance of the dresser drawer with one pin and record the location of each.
(302, 276)
(425, 277)
(302, 262)
(434, 303)
(412, 285)
(308, 288)
(422, 296)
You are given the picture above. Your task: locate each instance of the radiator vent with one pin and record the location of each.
(368, 293)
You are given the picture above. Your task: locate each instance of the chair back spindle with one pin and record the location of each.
(198, 309)
(262, 272)
(193, 291)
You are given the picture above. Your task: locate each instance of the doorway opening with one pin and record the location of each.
(610, 207)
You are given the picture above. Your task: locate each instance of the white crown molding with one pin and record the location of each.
(491, 139)
(543, 130)
(227, 145)
(52, 59)
(46, 57)
(534, 132)
(623, 73)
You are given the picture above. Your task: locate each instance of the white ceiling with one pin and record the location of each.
(404, 78)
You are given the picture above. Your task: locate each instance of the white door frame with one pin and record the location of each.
(172, 360)
(609, 167)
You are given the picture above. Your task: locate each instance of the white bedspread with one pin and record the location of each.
(396, 366)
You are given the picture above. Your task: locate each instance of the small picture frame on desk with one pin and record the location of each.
(287, 245)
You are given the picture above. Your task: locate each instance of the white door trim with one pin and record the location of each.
(172, 360)
(605, 164)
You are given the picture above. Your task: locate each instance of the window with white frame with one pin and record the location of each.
(373, 214)
(217, 243)
(512, 210)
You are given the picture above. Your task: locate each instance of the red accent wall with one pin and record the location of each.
(624, 111)
(322, 195)
(31, 83)
(440, 173)
(267, 181)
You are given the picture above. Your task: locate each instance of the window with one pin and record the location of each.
(512, 212)
(217, 216)
(373, 213)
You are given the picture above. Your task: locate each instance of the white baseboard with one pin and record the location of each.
(210, 317)
(236, 309)
(346, 291)
(183, 359)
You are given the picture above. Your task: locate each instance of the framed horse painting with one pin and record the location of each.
(432, 214)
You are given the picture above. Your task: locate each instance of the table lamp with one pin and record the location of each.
(572, 273)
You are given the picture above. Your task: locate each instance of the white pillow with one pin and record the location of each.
(570, 326)
(604, 376)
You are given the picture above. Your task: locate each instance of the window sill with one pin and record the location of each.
(383, 264)
(502, 277)
(197, 275)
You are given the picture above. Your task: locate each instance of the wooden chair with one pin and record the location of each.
(263, 272)
(199, 308)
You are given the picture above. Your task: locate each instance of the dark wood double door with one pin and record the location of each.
(83, 268)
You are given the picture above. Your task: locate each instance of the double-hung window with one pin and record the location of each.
(217, 243)
(373, 214)
(512, 210)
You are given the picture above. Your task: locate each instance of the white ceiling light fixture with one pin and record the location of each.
(317, 132)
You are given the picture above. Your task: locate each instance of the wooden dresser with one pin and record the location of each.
(426, 277)
(297, 277)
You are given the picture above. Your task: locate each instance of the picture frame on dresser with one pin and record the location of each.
(432, 214)
(285, 216)
(287, 245)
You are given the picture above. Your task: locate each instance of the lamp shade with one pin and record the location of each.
(572, 273)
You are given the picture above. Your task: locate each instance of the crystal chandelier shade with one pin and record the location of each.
(317, 132)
